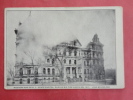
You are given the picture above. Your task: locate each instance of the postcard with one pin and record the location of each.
(64, 48)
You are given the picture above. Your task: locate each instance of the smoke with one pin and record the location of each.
(53, 27)
(34, 35)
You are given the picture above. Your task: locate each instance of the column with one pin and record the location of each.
(71, 76)
(51, 71)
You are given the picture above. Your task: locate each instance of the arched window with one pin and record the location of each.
(69, 61)
(44, 71)
(48, 70)
(53, 71)
(75, 62)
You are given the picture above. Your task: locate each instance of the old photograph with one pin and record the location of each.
(64, 48)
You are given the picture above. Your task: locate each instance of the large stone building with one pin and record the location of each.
(65, 62)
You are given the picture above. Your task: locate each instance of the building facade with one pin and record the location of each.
(65, 62)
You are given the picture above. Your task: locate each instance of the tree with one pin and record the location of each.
(31, 55)
(35, 62)
(53, 53)
(10, 72)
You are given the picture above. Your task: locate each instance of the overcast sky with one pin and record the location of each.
(53, 27)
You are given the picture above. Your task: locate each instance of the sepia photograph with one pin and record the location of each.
(64, 48)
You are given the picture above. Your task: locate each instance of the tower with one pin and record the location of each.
(96, 59)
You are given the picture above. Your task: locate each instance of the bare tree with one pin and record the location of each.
(58, 59)
(39, 63)
(31, 55)
(11, 72)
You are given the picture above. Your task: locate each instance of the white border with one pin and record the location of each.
(119, 50)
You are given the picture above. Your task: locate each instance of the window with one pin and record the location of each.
(84, 63)
(64, 60)
(36, 71)
(44, 71)
(75, 53)
(36, 80)
(75, 62)
(48, 70)
(21, 81)
(48, 60)
(28, 71)
(28, 81)
(68, 70)
(88, 71)
(88, 63)
(84, 71)
(69, 61)
(73, 70)
(53, 71)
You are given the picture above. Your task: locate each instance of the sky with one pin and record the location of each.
(52, 27)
